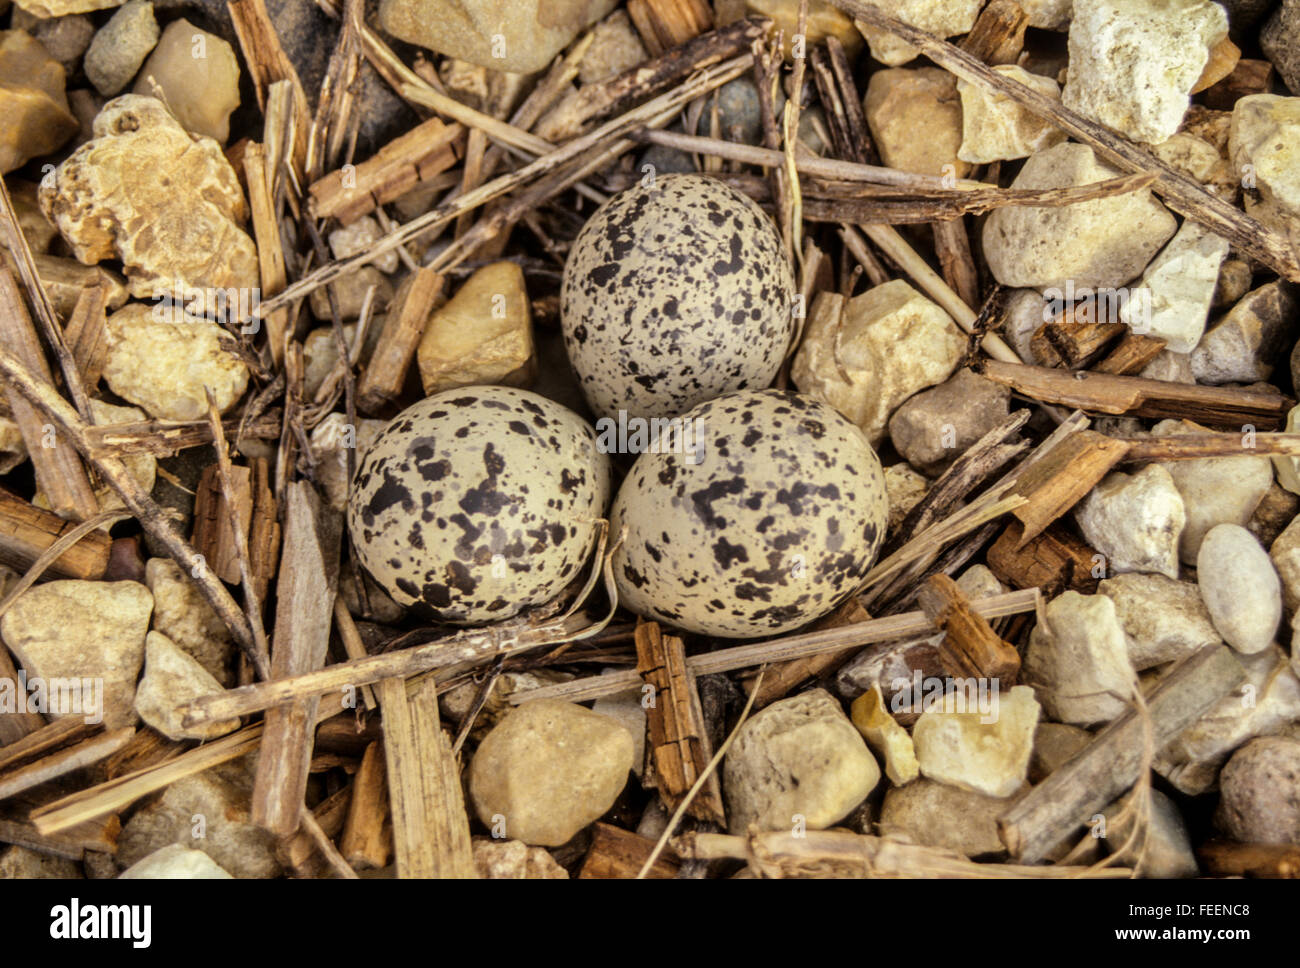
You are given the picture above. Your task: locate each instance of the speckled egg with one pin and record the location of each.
(675, 292)
(767, 519)
(478, 502)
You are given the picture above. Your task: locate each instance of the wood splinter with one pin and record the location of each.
(970, 648)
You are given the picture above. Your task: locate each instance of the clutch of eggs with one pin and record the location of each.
(674, 292)
(766, 517)
(478, 502)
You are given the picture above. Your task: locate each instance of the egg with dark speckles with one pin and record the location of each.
(764, 514)
(479, 502)
(675, 292)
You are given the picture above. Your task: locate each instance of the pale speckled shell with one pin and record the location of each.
(673, 294)
(773, 528)
(470, 474)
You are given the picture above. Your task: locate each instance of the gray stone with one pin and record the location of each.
(1260, 793)
(1077, 660)
(183, 615)
(1285, 555)
(1247, 344)
(120, 47)
(1054, 745)
(978, 581)
(514, 860)
(19, 863)
(172, 678)
(934, 427)
(1177, 288)
(1280, 40)
(66, 38)
(549, 769)
(1135, 520)
(1163, 619)
(798, 759)
(939, 815)
(1241, 588)
(1163, 850)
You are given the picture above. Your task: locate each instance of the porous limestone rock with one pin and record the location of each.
(1259, 800)
(183, 615)
(196, 75)
(1264, 145)
(1280, 40)
(936, 426)
(1163, 619)
(996, 128)
(457, 702)
(1215, 490)
(482, 335)
(1103, 243)
(1251, 339)
(171, 678)
(824, 20)
(165, 365)
(166, 204)
(521, 36)
(549, 769)
(1135, 520)
(1173, 299)
(890, 342)
(1241, 588)
(175, 862)
(514, 860)
(87, 631)
(1133, 63)
(121, 46)
(34, 115)
(981, 752)
(943, 18)
(1078, 660)
(915, 117)
(798, 760)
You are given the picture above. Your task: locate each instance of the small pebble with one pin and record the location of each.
(1077, 660)
(1135, 520)
(1240, 587)
(121, 46)
(1260, 793)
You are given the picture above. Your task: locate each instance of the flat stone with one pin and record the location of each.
(196, 75)
(798, 760)
(171, 679)
(165, 366)
(84, 630)
(121, 46)
(1241, 588)
(915, 117)
(207, 811)
(1103, 243)
(1215, 490)
(1174, 297)
(1133, 63)
(936, 426)
(1267, 702)
(1078, 660)
(549, 768)
(514, 860)
(979, 752)
(1163, 619)
(1248, 343)
(1163, 850)
(943, 18)
(175, 862)
(1259, 799)
(482, 336)
(1280, 40)
(904, 487)
(522, 36)
(1264, 146)
(140, 174)
(183, 615)
(1054, 745)
(1135, 520)
(884, 735)
(891, 342)
(996, 128)
(939, 815)
(33, 104)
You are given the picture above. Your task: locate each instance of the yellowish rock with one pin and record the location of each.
(62, 8)
(943, 18)
(165, 203)
(164, 365)
(506, 35)
(34, 115)
(514, 860)
(996, 128)
(824, 20)
(141, 467)
(172, 678)
(885, 345)
(483, 335)
(915, 117)
(196, 75)
(884, 735)
(185, 617)
(1264, 145)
